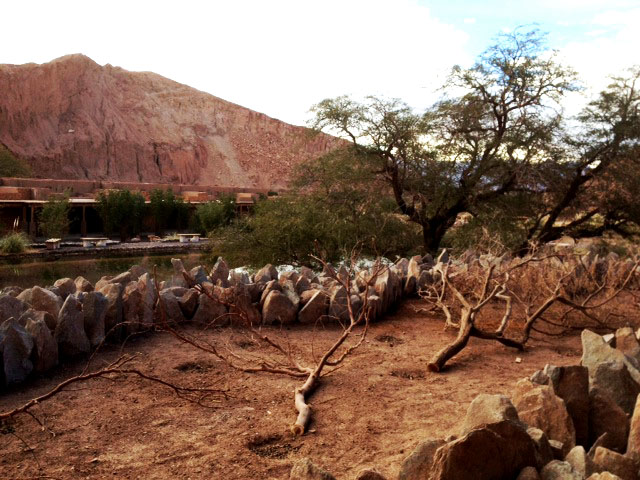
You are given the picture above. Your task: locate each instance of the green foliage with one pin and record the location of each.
(167, 210)
(14, 243)
(335, 206)
(10, 166)
(213, 215)
(121, 212)
(54, 217)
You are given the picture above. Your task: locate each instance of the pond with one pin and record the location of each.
(29, 273)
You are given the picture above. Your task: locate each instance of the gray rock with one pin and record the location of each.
(266, 274)
(113, 294)
(315, 308)
(32, 314)
(558, 470)
(132, 307)
(11, 290)
(289, 276)
(220, 273)
(627, 343)
(237, 278)
(65, 286)
(528, 473)
(94, 311)
(604, 476)
(42, 299)
(189, 303)
(419, 463)
(596, 351)
(137, 271)
(83, 285)
(486, 409)
(607, 460)
(199, 275)
(571, 384)
(16, 345)
(241, 307)
(168, 308)
(147, 286)
(498, 450)
(278, 309)
(177, 279)
(614, 379)
(539, 407)
(369, 474)
(69, 334)
(605, 416)
(11, 307)
(633, 442)
(302, 285)
(270, 286)
(580, 461)
(540, 378)
(304, 469)
(210, 312)
(338, 304)
(308, 273)
(45, 349)
(544, 452)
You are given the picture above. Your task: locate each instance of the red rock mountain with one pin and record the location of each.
(74, 119)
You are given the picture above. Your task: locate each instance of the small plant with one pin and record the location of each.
(54, 218)
(14, 243)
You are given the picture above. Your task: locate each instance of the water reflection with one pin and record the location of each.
(27, 273)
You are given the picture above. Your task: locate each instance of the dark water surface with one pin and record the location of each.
(29, 273)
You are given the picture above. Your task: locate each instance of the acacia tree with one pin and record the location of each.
(595, 174)
(471, 147)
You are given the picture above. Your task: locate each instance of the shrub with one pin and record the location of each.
(121, 211)
(216, 214)
(54, 217)
(10, 166)
(14, 243)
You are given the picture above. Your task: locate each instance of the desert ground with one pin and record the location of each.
(370, 413)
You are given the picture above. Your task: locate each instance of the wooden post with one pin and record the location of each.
(83, 225)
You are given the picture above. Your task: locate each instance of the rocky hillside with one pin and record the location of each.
(74, 119)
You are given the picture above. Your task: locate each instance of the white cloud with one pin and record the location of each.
(278, 57)
(469, 21)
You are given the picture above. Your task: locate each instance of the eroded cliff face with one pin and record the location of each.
(74, 119)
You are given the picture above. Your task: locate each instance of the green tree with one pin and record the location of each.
(216, 214)
(167, 210)
(121, 212)
(10, 166)
(54, 217)
(469, 149)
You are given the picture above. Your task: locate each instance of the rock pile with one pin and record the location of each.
(40, 325)
(572, 423)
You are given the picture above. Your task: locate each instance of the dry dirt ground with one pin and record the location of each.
(370, 413)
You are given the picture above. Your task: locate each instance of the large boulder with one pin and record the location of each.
(42, 299)
(83, 285)
(486, 409)
(605, 416)
(31, 314)
(45, 349)
(580, 461)
(113, 294)
(528, 473)
(633, 443)
(241, 307)
(614, 379)
(65, 286)
(539, 407)
(16, 345)
(94, 311)
(627, 342)
(168, 308)
(11, 307)
(132, 307)
(266, 274)
(270, 286)
(558, 470)
(147, 286)
(210, 311)
(199, 275)
(278, 309)
(220, 273)
(338, 304)
(315, 308)
(498, 450)
(188, 303)
(418, 465)
(571, 384)
(596, 351)
(607, 460)
(304, 469)
(69, 334)
(544, 451)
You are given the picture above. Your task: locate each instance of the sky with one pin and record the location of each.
(280, 57)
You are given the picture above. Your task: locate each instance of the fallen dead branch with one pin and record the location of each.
(577, 293)
(283, 360)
